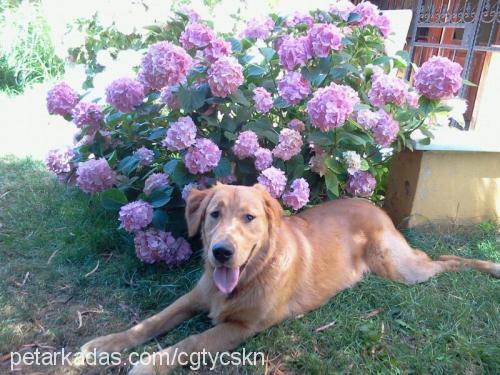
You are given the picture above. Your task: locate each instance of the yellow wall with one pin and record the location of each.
(444, 187)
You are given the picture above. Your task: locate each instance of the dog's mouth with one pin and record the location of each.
(226, 278)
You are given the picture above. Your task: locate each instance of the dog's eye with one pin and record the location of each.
(249, 217)
(215, 214)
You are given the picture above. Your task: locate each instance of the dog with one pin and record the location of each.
(262, 267)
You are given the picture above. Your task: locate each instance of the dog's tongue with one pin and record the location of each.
(226, 278)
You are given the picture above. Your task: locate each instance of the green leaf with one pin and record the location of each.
(223, 169)
(157, 134)
(159, 197)
(332, 183)
(321, 138)
(160, 219)
(334, 165)
(154, 28)
(381, 60)
(240, 98)
(192, 99)
(268, 53)
(353, 17)
(128, 164)
(404, 55)
(314, 76)
(271, 135)
(280, 103)
(425, 141)
(295, 166)
(112, 159)
(229, 124)
(254, 70)
(364, 165)
(181, 175)
(468, 83)
(235, 44)
(170, 166)
(113, 199)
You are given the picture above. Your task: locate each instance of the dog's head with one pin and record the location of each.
(236, 223)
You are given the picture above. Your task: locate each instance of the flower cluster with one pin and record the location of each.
(298, 195)
(331, 106)
(202, 157)
(61, 99)
(216, 49)
(180, 135)
(196, 35)
(438, 78)
(296, 125)
(87, 114)
(135, 215)
(259, 28)
(153, 245)
(225, 75)
(165, 64)
(293, 88)
(263, 100)
(290, 143)
(246, 144)
(342, 9)
(155, 181)
(125, 94)
(167, 97)
(263, 158)
(294, 52)
(361, 184)
(274, 180)
(387, 89)
(297, 19)
(352, 160)
(145, 155)
(59, 161)
(324, 38)
(386, 129)
(95, 175)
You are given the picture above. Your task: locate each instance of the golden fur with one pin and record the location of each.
(289, 265)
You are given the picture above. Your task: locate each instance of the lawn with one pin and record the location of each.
(67, 275)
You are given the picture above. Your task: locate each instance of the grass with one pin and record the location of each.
(26, 53)
(52, 237)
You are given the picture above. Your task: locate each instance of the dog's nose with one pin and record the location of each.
(222, 253)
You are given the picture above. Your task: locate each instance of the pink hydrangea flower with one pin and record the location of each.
(367, 118)
(135, 215)
(196, 35)
(145, 155)
(263, 100)
(246, 144)
(87, 114)
(438, 78)
(274, 180)
(383, 24)
(298, 18)
(386, 129)
(296, 125)
(165, 64)
(202, 157)
(368, 13)
(259, 28)
(412, 99)
(95, 175)
(331, 106)
(324, 38)
(293, 87)
(263, 158)
(342, 9)
(186, 190)
(125, 94)
(216, 49)
(298, 195)
(153, 245)
(361, 184)
(180, 135)
(191, 14)
(168, 97)
(61, 99)
(59, 160)
(294, 51)
(387, 89)
(290, 144)
(225, 76)
(155, 181)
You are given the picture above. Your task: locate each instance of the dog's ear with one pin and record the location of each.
(273, 208)
(196, 206)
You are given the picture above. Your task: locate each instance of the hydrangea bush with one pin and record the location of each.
(308, 105)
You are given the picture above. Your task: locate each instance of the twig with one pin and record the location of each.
(372, 313)
(93, 271)
(52, 256)
(326, 326)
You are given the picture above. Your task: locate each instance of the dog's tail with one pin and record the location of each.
(490, 268)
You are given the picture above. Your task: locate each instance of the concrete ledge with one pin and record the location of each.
(444, 186)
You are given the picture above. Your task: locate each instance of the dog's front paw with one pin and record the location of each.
(106, 344)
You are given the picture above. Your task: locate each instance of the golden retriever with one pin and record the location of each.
(262, 267)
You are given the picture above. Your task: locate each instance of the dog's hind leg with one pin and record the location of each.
(179, 311)
(393, 258)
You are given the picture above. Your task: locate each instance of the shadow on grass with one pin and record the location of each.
(52, 237)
